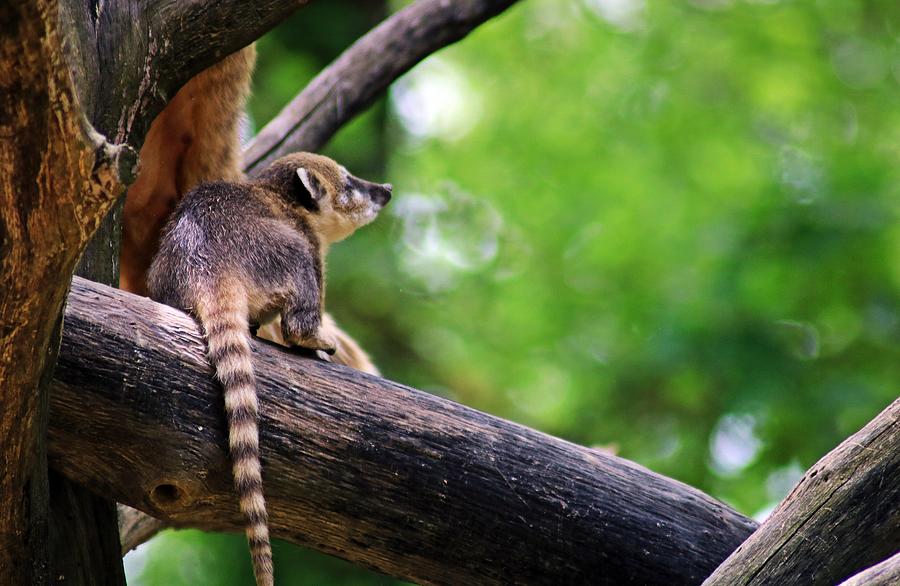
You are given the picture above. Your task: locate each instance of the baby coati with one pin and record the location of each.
(195, 139)
(235, 255)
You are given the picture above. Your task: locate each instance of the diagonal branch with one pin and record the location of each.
(382, 475)
(842, 517)
(362, 72)
(884, 574)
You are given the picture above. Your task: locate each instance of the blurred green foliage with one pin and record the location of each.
(667, 226)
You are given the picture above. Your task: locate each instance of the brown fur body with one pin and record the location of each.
(241, 253)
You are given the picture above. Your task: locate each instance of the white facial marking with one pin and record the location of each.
(303, 174)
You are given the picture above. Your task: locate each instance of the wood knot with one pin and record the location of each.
(165, 496)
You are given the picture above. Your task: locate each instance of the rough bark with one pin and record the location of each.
(129, 58)
(362, 72)
(56, 181)
(382, 475)
(84, 541)
(887, 573)
(842, 517)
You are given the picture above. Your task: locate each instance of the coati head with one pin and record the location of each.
(338, 202)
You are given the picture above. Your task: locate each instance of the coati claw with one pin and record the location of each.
(324, 342)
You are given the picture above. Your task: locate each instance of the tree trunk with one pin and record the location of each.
(387, 477)
(56, 181)
(84, 536)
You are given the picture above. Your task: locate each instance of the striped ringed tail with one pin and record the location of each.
(224, 317)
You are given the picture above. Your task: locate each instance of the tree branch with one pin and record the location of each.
(362, 72)
(382, 475)
(842, 517)
(136, 527)
(129, 58)
(887, 573)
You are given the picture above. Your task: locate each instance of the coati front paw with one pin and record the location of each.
(322, 340)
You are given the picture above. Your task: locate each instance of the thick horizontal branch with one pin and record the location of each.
(362, 72)
(842, 517)
(385, 476)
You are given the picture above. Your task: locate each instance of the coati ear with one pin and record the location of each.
(311, 183)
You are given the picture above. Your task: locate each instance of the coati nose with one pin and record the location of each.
(382, 194)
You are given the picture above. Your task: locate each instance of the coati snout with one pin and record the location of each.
(379, 193)
(338, 202)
